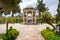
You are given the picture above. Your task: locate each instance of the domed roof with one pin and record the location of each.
(29, 7)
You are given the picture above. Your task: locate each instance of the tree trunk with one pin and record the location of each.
(12, 15)
(0, 14)
(39, 13)
(7, 28)
(52, 26)
(48, 22)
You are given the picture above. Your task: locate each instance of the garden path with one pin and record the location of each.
(27, 32)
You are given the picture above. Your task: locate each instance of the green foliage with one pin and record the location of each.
(58, 23)
(3, 36)
(11, 20)
(38, 19)
(10, 5)
(48, 28)
(58, 13)
(12, 34)
(47, 17)
(49, 34)
(41, 6)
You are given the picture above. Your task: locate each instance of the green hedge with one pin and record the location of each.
(49, 34)
(3, 36)
(12, 34)
(11, 20)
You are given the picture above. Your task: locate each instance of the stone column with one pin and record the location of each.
(23, 18)
(32, 16)
(35, 17)
(26, 17)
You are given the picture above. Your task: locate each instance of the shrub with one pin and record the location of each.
(12, 34)
(58, 23)
(48, 28)
(3, 36)
(49, 34)
(11, 20)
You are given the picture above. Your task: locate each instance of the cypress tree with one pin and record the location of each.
(41, 6)
(58, 12)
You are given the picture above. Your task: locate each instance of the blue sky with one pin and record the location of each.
(51, 4)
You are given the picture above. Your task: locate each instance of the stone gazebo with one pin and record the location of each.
(29, 15)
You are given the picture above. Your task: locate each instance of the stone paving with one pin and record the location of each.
(27, 32)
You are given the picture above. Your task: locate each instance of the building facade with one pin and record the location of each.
(29, 15)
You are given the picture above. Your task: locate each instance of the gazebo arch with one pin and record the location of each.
(29, 15)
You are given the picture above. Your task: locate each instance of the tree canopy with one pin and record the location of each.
(10, 5)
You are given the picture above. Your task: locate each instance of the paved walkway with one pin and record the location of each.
(27, 32)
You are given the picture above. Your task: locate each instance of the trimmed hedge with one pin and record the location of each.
(49, 34)
(11, 20)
